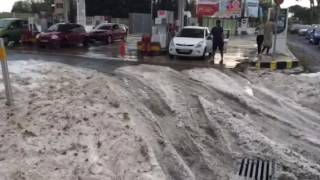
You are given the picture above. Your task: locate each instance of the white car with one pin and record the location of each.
(191, 41)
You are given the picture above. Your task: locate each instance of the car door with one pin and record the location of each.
(103, 32)
(15, 30)
(72, 34)
(208, 40)
(79, 33)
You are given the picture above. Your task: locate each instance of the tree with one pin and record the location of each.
(315, 10)
(301, 13)
(42, 6)
(21, 7)
(33, 6)
(305, 15)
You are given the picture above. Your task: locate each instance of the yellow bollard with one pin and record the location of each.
(3, 54)
(273, 65)
(289, 64)
(5, 73)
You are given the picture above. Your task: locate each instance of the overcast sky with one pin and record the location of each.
(6, 5)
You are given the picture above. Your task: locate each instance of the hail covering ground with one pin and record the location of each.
(155, 123)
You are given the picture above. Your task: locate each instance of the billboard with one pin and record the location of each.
(208, 1)
(230, 8)
(252, 8)
(208, 7)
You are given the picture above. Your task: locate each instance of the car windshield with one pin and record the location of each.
(191, 33)
(105, 27)
(4, 23)
(52, 28)
(65, 27)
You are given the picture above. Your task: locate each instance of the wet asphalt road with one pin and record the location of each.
(308, 54)
(106, 58)
(107, 64)
(101, 65)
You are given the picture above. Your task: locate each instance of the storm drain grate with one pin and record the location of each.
(256, 169)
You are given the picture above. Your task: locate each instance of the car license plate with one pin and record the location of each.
(44, 41)
(184, 50)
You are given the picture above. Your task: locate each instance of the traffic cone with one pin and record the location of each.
(123, 49)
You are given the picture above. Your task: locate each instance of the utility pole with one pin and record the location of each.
(181, 7)
(151, 9)
(66, 10)
(81, 12)
(276, 29)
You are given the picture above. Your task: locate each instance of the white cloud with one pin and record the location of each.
(6, 5)
(288, 3)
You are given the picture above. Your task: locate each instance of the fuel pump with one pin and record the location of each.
(282, 29)
(164, 28)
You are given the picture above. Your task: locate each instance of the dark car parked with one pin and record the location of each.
(108, 33)
(315, 36)
(63, 34)
(310, 31)
(11, 29)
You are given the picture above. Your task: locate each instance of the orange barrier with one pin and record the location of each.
(123, 49)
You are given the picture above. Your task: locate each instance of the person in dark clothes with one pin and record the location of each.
(217, 40)
(260, 37)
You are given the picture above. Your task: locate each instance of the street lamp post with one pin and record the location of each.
(276, 30)
(151, 9)
(181, 6)
(66, 9)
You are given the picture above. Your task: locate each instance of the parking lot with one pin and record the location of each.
(306, 52)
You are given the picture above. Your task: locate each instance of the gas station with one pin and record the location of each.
(235, 19)
(81, 12)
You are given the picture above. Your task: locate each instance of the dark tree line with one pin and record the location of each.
(305, 15)
(32, 6)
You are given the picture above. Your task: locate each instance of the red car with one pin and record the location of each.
(108, 32)
(29, 35)
(63, 34)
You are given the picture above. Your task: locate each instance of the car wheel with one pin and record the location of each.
(109, 39)
(41, 46)
(85, 43)
(171, 56)
(5, 41)
(311, 41)
(57, 45)
(203, 57)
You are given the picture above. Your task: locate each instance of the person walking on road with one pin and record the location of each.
(268, 34)
(260, 37)
(217, 40)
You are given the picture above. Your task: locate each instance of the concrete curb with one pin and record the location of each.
(276, 65)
